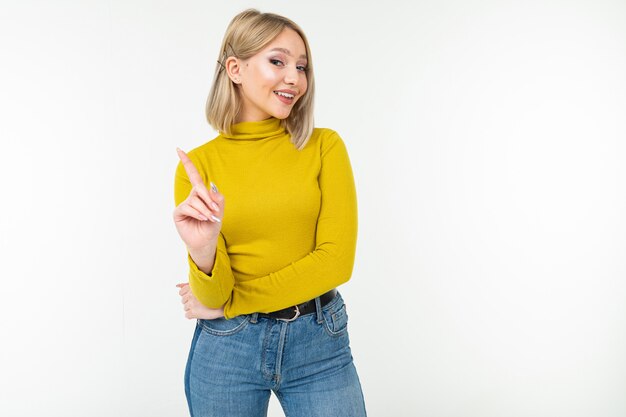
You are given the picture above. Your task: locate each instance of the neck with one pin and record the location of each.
(256, 129)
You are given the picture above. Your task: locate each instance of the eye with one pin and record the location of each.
(302, 68)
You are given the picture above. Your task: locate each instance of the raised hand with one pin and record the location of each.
(194, 309)
(198, 218)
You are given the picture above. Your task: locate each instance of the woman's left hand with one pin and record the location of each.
(194, 309)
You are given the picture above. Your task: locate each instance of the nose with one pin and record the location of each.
(291, 75)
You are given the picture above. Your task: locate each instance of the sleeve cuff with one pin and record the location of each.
(208, 288)
(193, 269)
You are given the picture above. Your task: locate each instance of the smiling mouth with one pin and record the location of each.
(286, 95)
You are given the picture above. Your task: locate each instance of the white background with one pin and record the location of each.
(487, 141)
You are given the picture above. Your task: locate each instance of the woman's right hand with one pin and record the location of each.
(198, 217)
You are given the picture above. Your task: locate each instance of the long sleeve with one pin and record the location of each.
(213, 289)
(331, 263)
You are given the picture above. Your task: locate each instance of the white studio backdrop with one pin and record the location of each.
(487, 142)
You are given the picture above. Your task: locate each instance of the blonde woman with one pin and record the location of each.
(269, 239)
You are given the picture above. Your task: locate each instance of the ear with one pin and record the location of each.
(233, 69)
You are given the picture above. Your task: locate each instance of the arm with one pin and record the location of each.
(210, 276)
(331, 262)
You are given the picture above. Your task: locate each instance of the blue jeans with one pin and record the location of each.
(235, 364)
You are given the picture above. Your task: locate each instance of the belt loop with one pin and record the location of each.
(318, 308)
(253, 317)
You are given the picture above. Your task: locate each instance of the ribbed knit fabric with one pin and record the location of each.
(289, 228)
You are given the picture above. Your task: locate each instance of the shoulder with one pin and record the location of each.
(205, 148)
(325, 138)
(325, 134)
(200, 155)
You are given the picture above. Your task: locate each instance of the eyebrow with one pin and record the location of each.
(286, 51)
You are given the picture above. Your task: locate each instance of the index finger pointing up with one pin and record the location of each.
(190, 168)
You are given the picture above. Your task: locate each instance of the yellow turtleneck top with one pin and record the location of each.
(289, 228)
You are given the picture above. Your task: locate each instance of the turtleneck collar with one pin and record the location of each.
(256, 130)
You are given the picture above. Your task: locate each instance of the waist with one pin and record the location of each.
(293, 312)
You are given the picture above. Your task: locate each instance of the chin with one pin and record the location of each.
(281, 115)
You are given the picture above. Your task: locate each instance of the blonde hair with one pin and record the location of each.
(247, 34)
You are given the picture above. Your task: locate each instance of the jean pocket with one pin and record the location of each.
(224, 327)
(336, 320)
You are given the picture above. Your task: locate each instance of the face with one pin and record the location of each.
(273, 80)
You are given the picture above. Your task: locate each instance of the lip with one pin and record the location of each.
(286, 100)
(288, 92)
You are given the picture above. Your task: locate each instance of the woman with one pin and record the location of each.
(264, 268)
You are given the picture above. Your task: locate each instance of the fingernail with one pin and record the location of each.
(213, 187)
(216, 219)
(215, 206)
